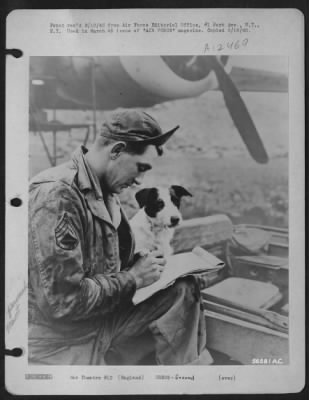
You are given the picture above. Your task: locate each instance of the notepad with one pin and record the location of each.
(179, 265)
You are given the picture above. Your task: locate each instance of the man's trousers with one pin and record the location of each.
(168, 328)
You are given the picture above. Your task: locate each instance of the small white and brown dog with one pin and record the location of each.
(154, 224)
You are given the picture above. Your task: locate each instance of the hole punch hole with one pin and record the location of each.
(16, 352)
(16, 202)
(14, 52)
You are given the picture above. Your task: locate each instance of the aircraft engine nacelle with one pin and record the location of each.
(109, 82)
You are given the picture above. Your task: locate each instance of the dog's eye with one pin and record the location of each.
(160, 204)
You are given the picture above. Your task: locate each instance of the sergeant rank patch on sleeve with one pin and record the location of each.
(65, 233)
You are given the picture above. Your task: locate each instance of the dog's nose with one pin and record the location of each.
(174, 221)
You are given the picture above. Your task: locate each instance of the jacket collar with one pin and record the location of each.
(87, 180)
(89, 183)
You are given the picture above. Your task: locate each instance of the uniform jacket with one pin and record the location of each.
(79, 249)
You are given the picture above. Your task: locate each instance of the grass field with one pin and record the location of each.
(207, 156)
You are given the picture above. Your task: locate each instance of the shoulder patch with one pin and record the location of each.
(65, 233)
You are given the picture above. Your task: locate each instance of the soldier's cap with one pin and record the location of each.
(135, 126)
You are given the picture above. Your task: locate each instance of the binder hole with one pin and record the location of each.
(16, 352)
(14, 52)
(16, 202)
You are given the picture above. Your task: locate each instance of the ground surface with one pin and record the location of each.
(208, 157)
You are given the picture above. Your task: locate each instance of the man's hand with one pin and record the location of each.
(148, 268)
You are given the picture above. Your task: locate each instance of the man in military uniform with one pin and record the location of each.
(82, 269)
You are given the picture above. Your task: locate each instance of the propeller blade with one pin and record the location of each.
(239, 113)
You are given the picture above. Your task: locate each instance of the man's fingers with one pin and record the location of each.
(159, 261)
(164, 261)
(158, 273)
(143, 253)
(157, 253)
(157, 267)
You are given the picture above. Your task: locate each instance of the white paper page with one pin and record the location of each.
(176, 266)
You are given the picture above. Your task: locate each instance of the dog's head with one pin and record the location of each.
(162, 205)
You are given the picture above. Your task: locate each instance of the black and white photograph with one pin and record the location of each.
(213, 138)
(158, 205)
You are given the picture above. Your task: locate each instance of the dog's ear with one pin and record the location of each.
(143, 195)
(180, 191)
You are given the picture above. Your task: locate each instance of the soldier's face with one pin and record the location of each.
(129, 169)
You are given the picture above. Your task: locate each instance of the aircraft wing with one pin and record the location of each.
(257, 80)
